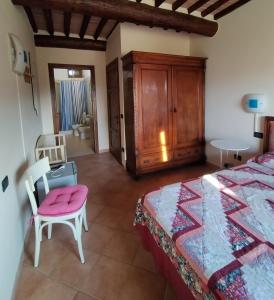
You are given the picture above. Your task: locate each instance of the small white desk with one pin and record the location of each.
(228, 145)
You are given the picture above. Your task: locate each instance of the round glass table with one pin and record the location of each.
(228, 145)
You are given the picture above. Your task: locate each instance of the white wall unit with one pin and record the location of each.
(240, 61)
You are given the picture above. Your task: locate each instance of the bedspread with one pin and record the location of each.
(218, 231)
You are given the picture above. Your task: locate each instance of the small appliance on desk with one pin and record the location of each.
(62, 175)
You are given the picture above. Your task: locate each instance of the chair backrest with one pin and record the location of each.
(35, 172)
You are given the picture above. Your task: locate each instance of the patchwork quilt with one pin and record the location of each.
(218, 231)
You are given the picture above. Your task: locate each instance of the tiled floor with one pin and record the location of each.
(117, 267)
(78, 147)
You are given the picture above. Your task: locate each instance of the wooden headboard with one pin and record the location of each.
(268, 133)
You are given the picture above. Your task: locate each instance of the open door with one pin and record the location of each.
(56, 116)
(113, 95)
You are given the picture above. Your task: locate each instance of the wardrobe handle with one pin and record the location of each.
(175, 109)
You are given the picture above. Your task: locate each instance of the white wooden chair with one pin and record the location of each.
(61, 205)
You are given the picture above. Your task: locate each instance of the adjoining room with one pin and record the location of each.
(74, 107)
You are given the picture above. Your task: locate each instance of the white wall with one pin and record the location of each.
(114, 45)
(142, 38)
(127, 37)
(60, 74)
(86, 74)
(80, 57)
(240, 61)
(19, 129)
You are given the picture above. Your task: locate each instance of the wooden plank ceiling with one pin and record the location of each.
(216, 8)
(77, 24)
(53, 20)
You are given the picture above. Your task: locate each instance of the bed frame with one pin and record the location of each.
(267, 122)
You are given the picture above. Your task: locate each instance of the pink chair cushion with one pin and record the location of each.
(63, 201)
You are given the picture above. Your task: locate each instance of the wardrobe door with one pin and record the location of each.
(154, 113)
(188, 101)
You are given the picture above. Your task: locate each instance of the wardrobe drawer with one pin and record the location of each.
(154, 159)
(187, 152)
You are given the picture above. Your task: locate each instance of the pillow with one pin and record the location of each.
(266, 159)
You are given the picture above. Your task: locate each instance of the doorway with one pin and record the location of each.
(113, 95)
(74, 108)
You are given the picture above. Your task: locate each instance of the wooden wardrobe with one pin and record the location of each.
(164, 110)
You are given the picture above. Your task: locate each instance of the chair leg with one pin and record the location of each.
(49, 231)
(85, 218)
(37, 243)
(78, 224)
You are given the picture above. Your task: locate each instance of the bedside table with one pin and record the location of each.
(228, 145)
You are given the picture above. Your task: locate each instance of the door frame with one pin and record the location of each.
(114, 62)
(91, 68)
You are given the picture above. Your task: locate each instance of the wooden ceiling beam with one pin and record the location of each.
(100, 27)
(70, 43)
(129, 11)
(49, 22)
(213, 7)
(112, 29)
(196, 5)
(67, 21)
(159, 2)
(84, 26)
(230, 9)
(177, 4)
(31, 19)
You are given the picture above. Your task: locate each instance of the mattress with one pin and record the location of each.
(217, 230)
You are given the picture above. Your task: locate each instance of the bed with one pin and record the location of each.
(213, 237)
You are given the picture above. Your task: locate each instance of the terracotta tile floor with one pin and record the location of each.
(78, 147)
(117, 267)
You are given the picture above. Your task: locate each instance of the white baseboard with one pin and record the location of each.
(103, 150)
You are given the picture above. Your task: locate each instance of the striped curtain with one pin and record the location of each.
(79, 99)
(73, 102)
